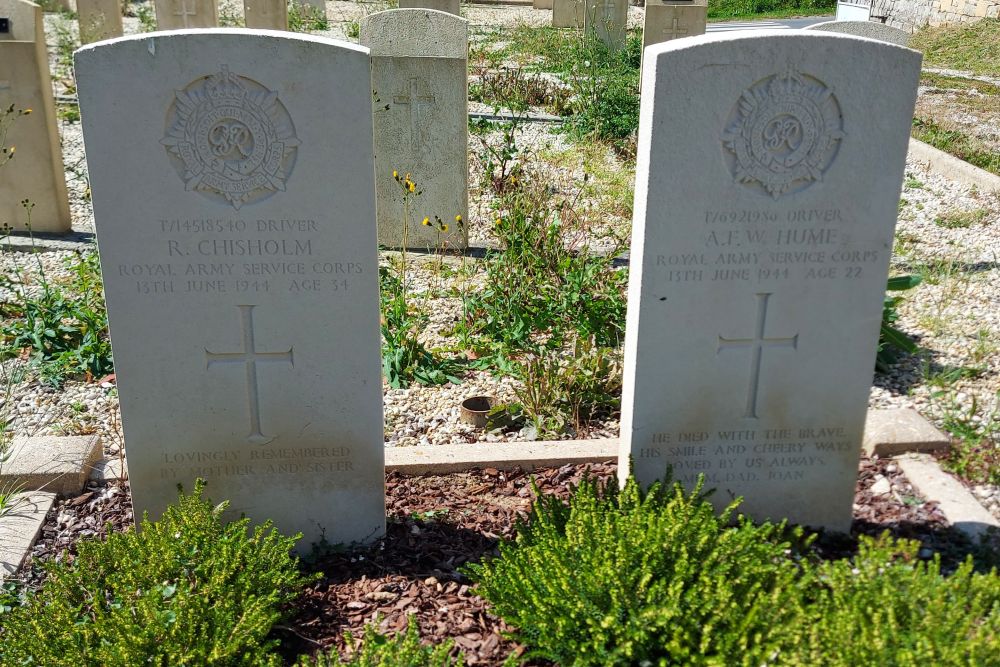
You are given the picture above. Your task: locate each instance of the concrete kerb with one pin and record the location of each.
(954, 168)
(959, 506)
(20, 529)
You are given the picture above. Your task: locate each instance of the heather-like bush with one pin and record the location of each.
(188, 589)
(378, 650)
(654, 578)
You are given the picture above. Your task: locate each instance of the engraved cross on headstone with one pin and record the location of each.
(756, 346)
(414, 100)
(674, 30)
(185, 11)
(249, 356)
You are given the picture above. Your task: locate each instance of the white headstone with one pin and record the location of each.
(266, 14)
(184, 14)
(666, 20)
(99, 19)
(607, 20)
(36, 170)
(233, 198)
(853, 10)
(765, 203)
(450, 6)
(419, 78)
(870, 29)
(568, 13)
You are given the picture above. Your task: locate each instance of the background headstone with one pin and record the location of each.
(765, 203)
(450, 6)
(666, 20)
(99, 19)
(318, 6)
(183, 14)
(568, 13)
(419, 65)
(36, 171)
(607, 20)
(879, 31)
(266, 14)
(233, 195)
(541, 4)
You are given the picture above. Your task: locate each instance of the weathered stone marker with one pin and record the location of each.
(607, 20)
(240, 271)
(765, 203)
(419, 64)
(541, 4)
(182, 14)
(36, 170)
(450, 6)
(99, 19)
(266, 14)
(871, 29)
(666, 20)
(568, 13)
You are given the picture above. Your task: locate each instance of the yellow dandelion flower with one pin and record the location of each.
(27, 111)
(11, 151)
(426, 222)
(444, 228)
(412, 187)
(395, 174)
(458, 218)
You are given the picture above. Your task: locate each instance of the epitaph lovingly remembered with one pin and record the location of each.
(99, 19)
(450, 6)
(419, 65)
(765, 205)
(606, 19)
(184, 14)
(36, 171)
(240, 269)
(666, 20)
(568, 13)
(266, 14)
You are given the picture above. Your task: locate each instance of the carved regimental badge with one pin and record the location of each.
(783, 134)
(230, 138)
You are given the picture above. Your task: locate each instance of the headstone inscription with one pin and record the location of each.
(419, 65)
(266, 14)
(36, 171)
(765, 204)
(666, 20)
(240, 271)
(607, 20)
(870, 29)
(450, 6)
(99, 19)
(568, 13)
(184, 14)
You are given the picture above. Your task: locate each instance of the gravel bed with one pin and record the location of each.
(438, 523)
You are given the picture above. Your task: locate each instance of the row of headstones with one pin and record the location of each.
(234, 196)
(663, 20)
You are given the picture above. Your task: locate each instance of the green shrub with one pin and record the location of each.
(185, 590)
(885, 607)
(892, 342)
(633, 578)
(733, 8)
(377, 650)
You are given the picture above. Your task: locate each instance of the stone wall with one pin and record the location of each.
(910, 15)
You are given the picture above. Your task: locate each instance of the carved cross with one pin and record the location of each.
(674, 30)
(249, 356)
(414, 101)
(756, 346)
(185, 11)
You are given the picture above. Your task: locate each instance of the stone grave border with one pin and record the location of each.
(949, 166)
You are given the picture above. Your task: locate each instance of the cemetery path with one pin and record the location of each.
(438, 523)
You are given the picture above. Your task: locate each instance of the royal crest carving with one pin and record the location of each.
(783, 134)
(230, 139)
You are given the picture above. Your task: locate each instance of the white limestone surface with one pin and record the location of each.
(768, 176)
(35, 172)
(233, 191)
(870, 29)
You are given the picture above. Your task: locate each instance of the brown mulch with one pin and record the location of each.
(437, 524)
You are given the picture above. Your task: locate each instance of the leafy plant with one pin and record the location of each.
(304, 17)
(891, 341)
(64, 330)
(147, 17)
(632, 578)
(185, 590)
(378, 650)
(975, 429)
